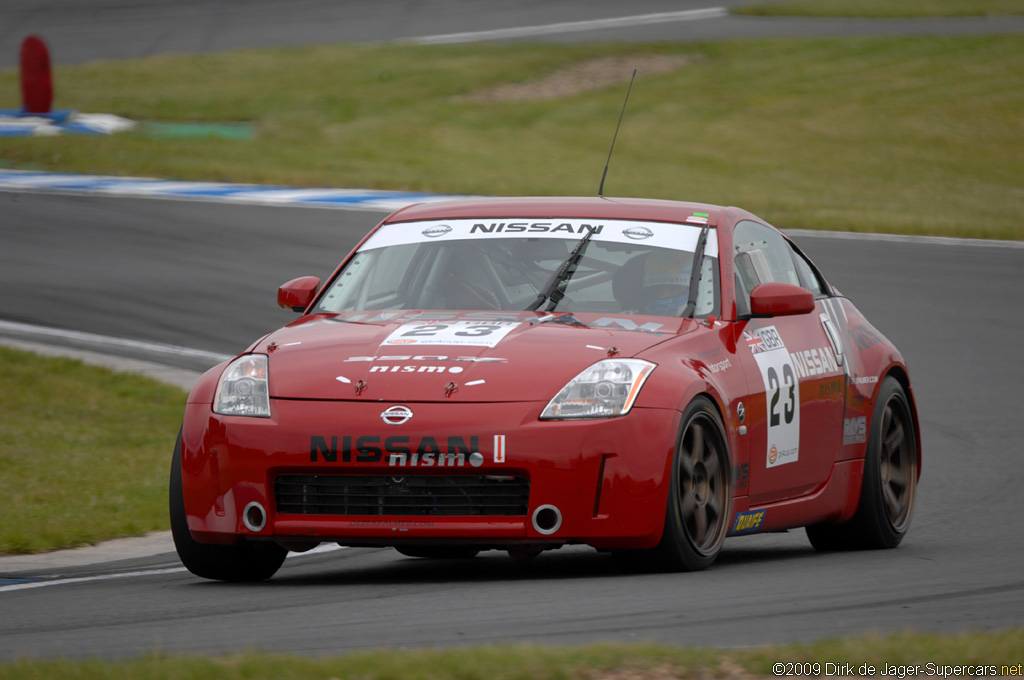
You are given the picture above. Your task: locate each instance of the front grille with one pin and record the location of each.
(445, 496)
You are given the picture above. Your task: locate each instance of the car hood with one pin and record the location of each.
(524, 357)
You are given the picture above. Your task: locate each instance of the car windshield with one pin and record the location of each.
(627, 267)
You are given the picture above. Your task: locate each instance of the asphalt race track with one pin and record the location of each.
(79, 31)
(204, 275)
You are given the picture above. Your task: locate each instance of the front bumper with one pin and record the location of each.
(607, 478)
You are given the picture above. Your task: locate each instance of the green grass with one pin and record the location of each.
(884, 9)
(532, 662)
(84, 452)
(898, 135)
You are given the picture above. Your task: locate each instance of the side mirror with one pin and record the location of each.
(298, 293)
(780, 299)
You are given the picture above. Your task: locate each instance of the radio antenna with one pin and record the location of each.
(600, 189)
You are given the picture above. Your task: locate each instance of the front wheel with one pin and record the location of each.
(890, 480)
(250, 561)
(700, 496)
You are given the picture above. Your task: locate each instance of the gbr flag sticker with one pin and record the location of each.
(782, 394)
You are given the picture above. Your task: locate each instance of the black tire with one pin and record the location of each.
(249, 561)
(699, 506)
(890, 481)
(449, 552)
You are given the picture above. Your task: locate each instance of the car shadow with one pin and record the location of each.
(384, 566)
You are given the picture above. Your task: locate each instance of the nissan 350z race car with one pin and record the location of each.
(645, 377)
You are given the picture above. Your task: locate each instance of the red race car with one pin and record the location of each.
(645, 377)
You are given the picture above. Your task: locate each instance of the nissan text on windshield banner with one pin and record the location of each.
(655, 234)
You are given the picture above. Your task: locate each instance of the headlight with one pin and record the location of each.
(243, 390)
(608, 388)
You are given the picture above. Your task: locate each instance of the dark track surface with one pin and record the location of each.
(80, 31)
(204, 275)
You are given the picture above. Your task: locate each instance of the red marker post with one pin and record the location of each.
(36, 77)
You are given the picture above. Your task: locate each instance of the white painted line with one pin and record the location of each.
(105, 340)
(900, 238)
(148, 572)
(572, 26)
(87, 579)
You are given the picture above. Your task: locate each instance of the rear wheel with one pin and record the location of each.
(700, 496)
(250, 561)
(890, 480)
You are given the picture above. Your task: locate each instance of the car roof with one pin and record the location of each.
(657, 210)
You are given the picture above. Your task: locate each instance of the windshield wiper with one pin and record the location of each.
(554, 288)
(696, 269)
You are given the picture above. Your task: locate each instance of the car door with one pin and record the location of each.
(795, 374)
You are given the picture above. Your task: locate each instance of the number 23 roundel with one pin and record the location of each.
(782, 394)
(462, 332)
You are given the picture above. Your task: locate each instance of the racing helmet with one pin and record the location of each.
(666, 282)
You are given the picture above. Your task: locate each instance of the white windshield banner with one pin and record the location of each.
(652, 234)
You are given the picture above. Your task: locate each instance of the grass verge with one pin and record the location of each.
(884, 9)
(950, 654)
(84, 452)
(897, 135)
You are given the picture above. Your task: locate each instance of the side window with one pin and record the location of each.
(761, 255)
(808, 278)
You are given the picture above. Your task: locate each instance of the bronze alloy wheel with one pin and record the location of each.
(898, 462)
(700, 495)
(890, 479)
(704, 484)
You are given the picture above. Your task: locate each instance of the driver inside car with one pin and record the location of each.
(666, 282)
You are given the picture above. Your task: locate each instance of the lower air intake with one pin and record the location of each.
(444, 496)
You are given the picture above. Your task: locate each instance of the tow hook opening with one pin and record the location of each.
(547, 519)
(254, 517)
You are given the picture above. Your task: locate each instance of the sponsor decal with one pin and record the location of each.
(813, 362)
(428, 357)
(393, 524)
(855, 430)
(459, 332)
(662, 235)
(764, 339)
(781, 391)
(432, 460)
(426, 317)
(741, 473)
(401, 450)
(748, 522)
(866, 380)
(627, 325)
(436, 231)
(710, 355)
(741, 411)
(637, 233)
(416, 369)
(830, 388)
(482, 318)
(696, 219)
(396, 415)
(719, 366)
(865, 336)
(535, 228)
(383, 363)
